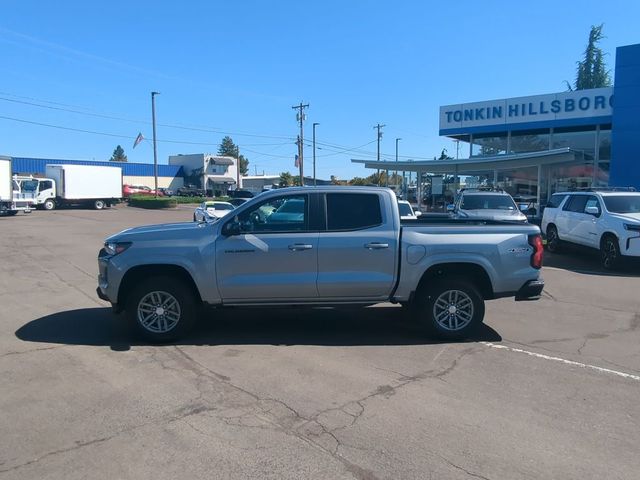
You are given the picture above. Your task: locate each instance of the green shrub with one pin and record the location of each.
(199, 199)
(152, 202)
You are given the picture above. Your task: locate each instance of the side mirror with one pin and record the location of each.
(418, 213)
(592, 211)
(451, 207)
(231, 229)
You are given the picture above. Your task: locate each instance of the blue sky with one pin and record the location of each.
(238, 67)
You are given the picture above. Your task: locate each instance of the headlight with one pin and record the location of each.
(114, 248)
(632, 226)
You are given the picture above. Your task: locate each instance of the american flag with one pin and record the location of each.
(138, 139)
(297, 162)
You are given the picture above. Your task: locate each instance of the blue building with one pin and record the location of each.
(541, 144)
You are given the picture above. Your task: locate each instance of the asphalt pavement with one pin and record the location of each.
(548, 389)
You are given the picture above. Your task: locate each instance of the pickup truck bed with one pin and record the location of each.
(319, 246)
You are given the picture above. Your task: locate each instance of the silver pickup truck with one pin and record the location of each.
(319, 246)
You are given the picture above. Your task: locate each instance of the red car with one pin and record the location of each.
(128, 190)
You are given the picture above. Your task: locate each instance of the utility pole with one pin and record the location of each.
(314, 154)
(238, 167)
(379, 128)
(397, 140)
(155, 150)
(300, 117)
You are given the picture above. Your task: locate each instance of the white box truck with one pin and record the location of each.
(85, 185)
(12, 198)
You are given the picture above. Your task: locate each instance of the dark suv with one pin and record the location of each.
(190, 191)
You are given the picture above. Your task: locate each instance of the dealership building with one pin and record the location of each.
(541, 144)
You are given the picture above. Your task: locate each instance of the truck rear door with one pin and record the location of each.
(357, 250)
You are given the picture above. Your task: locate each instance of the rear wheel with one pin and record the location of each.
(49, 204)
(553, 240)
(453, 309)
(99, 204)
(162, 309)
(610, 252)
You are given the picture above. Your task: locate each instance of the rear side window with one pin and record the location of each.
(555, 200)
(576, 203)
(353, 211)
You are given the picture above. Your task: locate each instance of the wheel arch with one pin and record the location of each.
(140, 272)
(471, 272)
(606, 234)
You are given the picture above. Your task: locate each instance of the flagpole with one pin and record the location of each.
(155, 150)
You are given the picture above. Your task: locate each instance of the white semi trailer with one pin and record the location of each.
(12, 198)
(83, 185)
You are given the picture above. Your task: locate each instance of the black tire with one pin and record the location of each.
(610, 252)
(553, 240)
(194, 218)
(155, 330)
(99, 204)
(457, 324)
(49, 204)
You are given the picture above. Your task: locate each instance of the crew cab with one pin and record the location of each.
(605, 219)
(319, 246)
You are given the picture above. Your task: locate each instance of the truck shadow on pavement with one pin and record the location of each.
(245, 326)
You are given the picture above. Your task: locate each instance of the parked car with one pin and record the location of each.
(166, 192)
(190, 191)
(338, 246)
(605, 220)
(128, 190)
(211, 211)
(240, 194)
(486, 204)
(407, 212)
(236, 202)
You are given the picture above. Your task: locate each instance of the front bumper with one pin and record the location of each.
(530, 290)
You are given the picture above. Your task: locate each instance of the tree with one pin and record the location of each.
(592, 71)
(286, 179)
(229, 149)
(118, 155)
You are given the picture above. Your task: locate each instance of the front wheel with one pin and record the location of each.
(162, 309)
(49, 204)
(610, 252)
(99, 204)
(451, 310)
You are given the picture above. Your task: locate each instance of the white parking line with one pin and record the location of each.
(563, 360)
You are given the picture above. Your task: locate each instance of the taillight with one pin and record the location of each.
(536, 258)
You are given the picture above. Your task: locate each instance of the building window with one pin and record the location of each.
(529, 141)
(604, 156)
(581, 139)
(490, 144)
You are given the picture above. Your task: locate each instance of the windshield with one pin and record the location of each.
(405, 209)
(622, 203)
(222, 206)
(487, 202)
(29, 185)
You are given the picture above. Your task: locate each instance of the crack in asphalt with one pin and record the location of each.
(30, 351)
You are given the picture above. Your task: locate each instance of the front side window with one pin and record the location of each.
(353, 211)
(592, 202)
(576, 203)
(282, 214)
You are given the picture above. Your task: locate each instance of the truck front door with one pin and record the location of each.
(272, 255)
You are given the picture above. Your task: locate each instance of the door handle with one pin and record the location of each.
(376, 246)
(300, 246)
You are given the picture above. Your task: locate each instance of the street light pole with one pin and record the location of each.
(396, 174)
(155, 150)
(314, 154)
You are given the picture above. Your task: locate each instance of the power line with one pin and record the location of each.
(131, 120)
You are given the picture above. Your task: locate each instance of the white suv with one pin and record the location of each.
(486, 204)
(606, 220)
